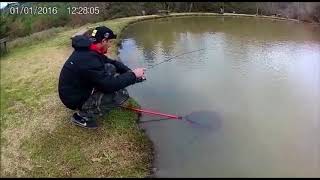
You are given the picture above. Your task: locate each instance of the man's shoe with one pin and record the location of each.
(83, 121)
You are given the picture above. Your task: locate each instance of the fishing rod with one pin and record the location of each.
(169, 59)
(189, 52)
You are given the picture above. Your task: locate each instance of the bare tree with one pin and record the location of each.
(191, 5)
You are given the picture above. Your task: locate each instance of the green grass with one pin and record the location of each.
(35, 38)
(115, 150)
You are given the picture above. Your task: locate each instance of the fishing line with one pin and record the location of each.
(169, 59)
(189, 52)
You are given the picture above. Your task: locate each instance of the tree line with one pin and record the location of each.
(15, 25)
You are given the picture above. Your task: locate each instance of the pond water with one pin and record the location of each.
(254, 82)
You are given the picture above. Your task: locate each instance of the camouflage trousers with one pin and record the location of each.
(99, 104)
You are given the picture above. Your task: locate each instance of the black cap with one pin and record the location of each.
(102, 32)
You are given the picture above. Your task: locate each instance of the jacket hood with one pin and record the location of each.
(81, 42)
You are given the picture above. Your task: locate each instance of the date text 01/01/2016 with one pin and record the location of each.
(43, 10)
(33, 10)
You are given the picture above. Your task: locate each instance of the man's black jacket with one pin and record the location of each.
(85, 70)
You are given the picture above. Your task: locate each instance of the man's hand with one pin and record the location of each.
(139, 72)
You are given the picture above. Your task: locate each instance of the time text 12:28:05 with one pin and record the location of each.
(83, 10)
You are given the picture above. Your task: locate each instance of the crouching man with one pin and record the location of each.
(90, 82)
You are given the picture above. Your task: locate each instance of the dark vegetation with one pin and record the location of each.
(14, 25)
